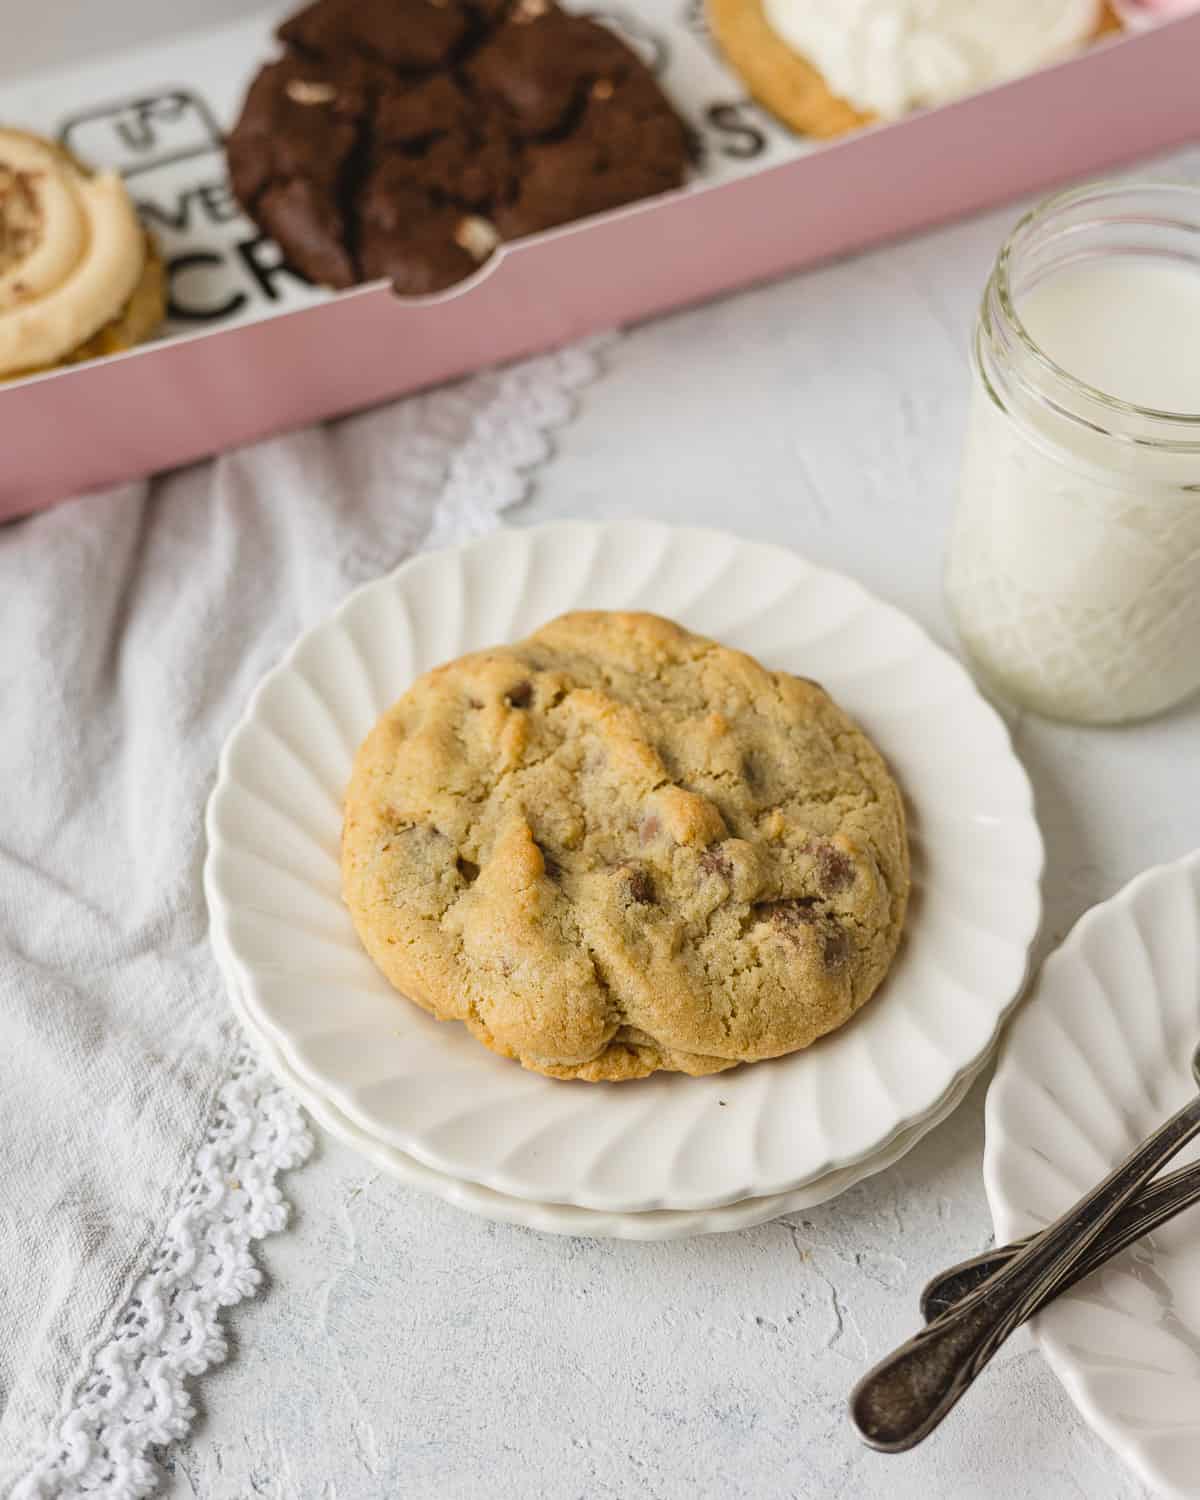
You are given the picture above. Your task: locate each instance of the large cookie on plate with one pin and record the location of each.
(405, 138)
(618, 847)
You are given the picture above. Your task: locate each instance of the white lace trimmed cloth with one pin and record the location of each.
(140, 1140)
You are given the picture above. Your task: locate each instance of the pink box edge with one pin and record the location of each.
(183, 400)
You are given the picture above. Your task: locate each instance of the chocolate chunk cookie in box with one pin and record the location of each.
(406, 138)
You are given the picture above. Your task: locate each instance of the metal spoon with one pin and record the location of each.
(908, 1393)
(1154, 1205)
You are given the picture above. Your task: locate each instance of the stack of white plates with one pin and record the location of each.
(670, 1155)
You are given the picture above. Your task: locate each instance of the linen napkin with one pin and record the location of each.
(138, 1145)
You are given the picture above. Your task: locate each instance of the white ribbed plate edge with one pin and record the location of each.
(1098, 1058)
(670, 1142)
(561, 1218)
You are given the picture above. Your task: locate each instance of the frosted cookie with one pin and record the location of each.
(828, 66)
(79, 276)
(617, 847)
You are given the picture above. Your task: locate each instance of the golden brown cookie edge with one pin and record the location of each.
(789, 85)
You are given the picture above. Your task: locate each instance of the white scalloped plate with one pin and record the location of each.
(561, 1218)
(668, 1142)
(1098, 1057)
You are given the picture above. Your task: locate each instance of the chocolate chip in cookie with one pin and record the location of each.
(638, 886)
(801, 914)
(649, 828)
(835, 869)
(714, 861)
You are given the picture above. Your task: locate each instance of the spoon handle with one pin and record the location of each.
(908, 1393)
(1153, 1206)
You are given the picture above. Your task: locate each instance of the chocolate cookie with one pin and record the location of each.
(617, 847)
(406, 138)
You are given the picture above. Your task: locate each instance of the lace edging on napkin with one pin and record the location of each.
(134, 1397)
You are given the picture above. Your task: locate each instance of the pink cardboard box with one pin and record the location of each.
(246, 355)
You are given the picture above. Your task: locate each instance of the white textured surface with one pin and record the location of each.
(408, 1350)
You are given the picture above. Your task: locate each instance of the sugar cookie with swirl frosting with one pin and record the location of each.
(617, 847)
(79, 276)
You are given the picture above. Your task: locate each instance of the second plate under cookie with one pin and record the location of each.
(562, 1218)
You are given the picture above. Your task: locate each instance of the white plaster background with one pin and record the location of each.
(404, 1349)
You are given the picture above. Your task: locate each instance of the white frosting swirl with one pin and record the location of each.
(887, 57)
(71, 252)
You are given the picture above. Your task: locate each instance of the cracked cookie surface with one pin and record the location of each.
(618, 847)
(405, 138)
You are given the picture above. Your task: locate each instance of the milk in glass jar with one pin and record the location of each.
(1074, 566)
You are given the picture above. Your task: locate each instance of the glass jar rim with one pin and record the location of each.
(1040, 214)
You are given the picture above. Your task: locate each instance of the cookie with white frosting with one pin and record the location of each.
(828, 66)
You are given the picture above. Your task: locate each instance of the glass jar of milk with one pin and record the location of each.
(1074, 566)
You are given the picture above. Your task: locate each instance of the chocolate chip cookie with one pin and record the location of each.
(779, 78)
(618, 847)
(406, 138)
